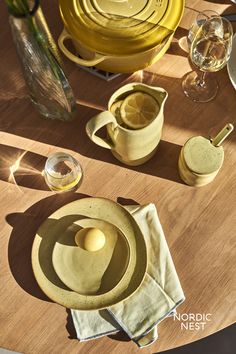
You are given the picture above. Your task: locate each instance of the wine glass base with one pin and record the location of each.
(199, 92)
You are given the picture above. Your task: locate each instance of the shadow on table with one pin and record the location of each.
(163, 164)
(22, 168)
(179, 45)
(219, 1)
(196, 118)
(70, 326)
(230, 10)
(25, 226)
(222, 342)
(72, 135)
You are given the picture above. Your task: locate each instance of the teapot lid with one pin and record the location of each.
(201, 156)
(121, 27)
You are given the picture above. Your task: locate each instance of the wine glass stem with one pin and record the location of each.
(201, 79)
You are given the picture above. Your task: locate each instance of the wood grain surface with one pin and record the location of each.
(199, 224)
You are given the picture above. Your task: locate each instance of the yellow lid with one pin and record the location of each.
(201, 156)
(121, 27)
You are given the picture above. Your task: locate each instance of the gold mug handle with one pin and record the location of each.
(98, 58)
(96, 123)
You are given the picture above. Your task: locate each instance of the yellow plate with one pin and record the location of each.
(121, 27)
(57, 224)
(91, 273)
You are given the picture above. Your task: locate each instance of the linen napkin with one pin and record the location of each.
(156, 298)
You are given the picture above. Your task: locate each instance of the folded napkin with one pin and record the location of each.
(157, 297)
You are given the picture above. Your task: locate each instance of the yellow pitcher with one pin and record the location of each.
(132, 147)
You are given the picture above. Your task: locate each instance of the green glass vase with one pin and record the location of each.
(47, 84)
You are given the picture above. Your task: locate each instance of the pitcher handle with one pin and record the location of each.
(96, 123)
(98, 58)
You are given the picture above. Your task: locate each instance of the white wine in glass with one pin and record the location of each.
(210, 51)
(62, 172)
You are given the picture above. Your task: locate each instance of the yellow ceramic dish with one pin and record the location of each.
(119, 36)
(58, 223)
(200, 161)
(86, 272)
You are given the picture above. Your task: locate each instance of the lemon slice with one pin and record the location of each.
(138, 110)
(115, 110)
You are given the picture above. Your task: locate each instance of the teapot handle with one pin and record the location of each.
(97, 57)
(96, 123)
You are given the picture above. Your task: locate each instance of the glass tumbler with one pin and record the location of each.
(62, 172)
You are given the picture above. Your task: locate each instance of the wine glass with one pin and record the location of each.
(198, 22)
(209, 51)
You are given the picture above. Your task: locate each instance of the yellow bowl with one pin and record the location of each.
(87, 272)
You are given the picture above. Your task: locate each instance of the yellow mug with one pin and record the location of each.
(132, 147)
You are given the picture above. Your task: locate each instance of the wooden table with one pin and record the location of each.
(199, 224)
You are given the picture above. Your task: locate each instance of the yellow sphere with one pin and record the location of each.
(93, 239)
